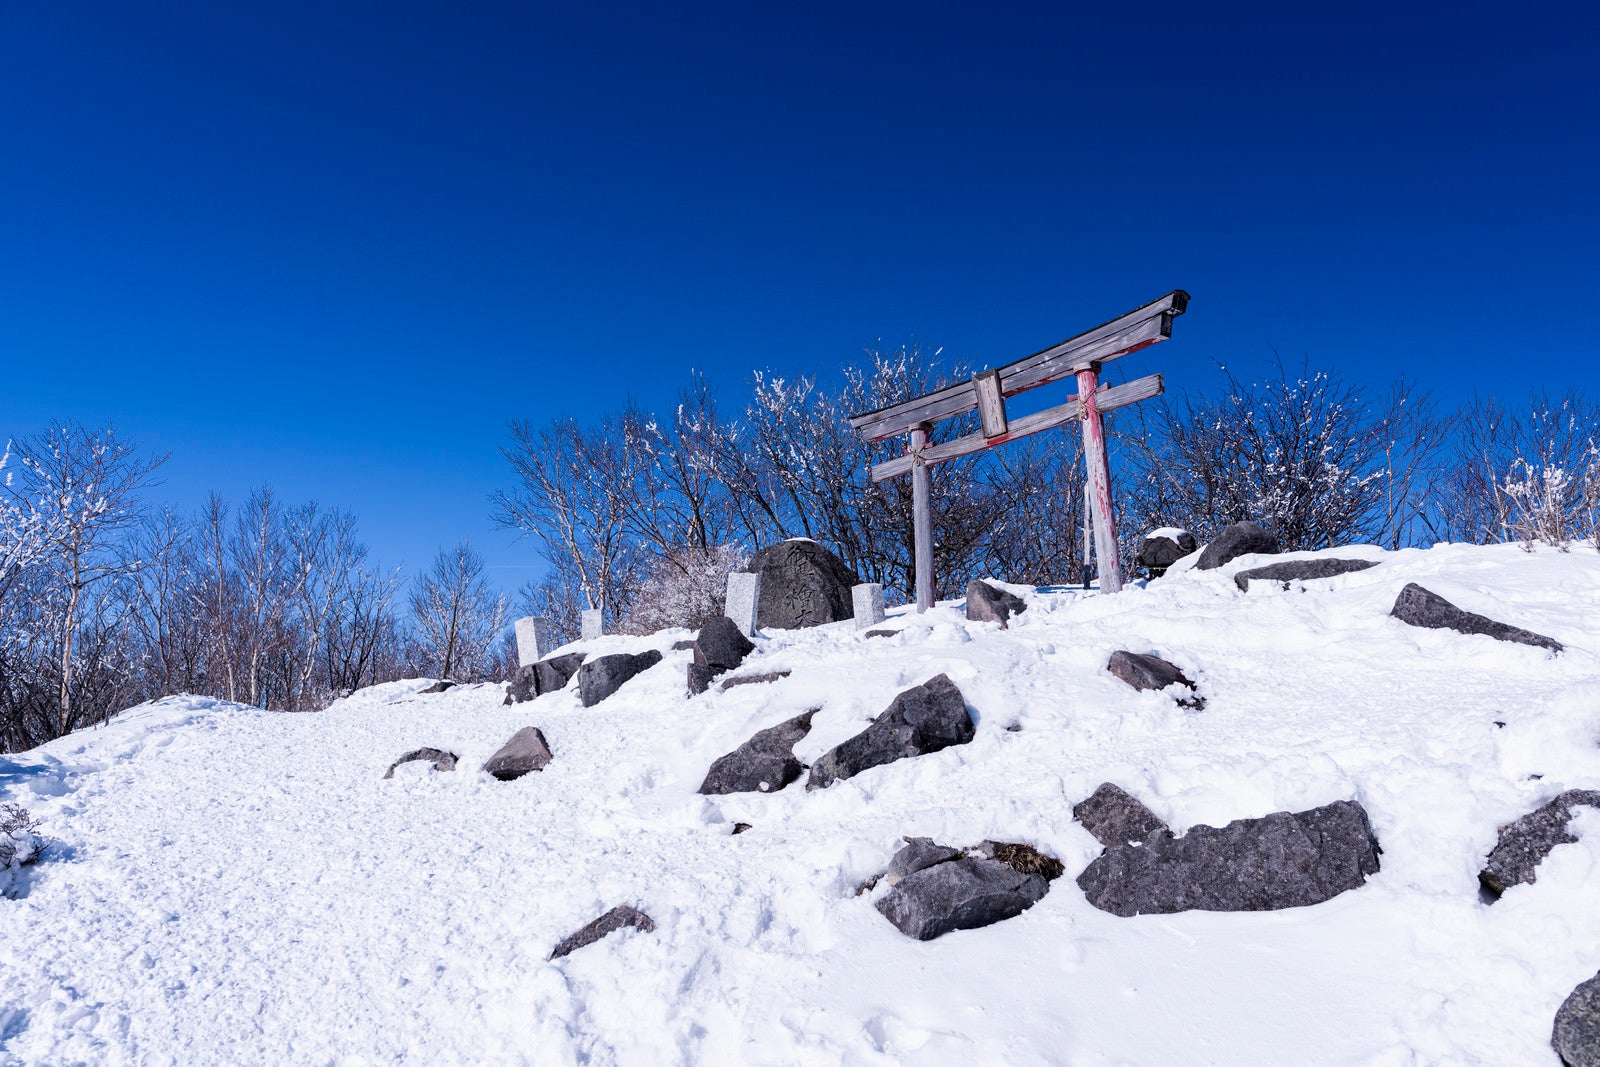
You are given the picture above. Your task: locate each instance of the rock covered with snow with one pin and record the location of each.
(1417, 606)
(987, 603)
(1282, 860)
(1116, 817)
(719, 647)
(527, 751)
(601, 677)
(1162, 548)
(926, 718)
(935, 889)
(1144, 671)
(802, 584)
(621, 917)
(549, 675)
(441, 760)
(762, 764)
(1301, 570)
(1524, 843)
(1233, 541)
(1576, 1037)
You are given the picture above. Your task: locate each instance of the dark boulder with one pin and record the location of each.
(700, 678)
(1417, 606)
(960, 894)
(1151, 672)
(1160, 549)
(441, 760)
(1238, 539)
(437, 687)
(1576, 1037)
(923, 719)
(526, 751)
(1282, 860)
(547, 676)
(599, 678)
(802, 584)
(762, 764)
(918, 853)
(685, 645)
(1525, 843)
(720, 645)
(1301, 570)
(621, 917)
(1115, 817)
(985, 603)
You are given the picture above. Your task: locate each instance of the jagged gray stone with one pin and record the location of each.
(1282, 860)
(960, 894)
(918, 853)
(1116, 817)
(699, 678)
(546, 676)
(437, 687)
(1417, 606)
(1238, 539)
(923, 719)
(720, 645)
(1576, 1036)
(802, 584)
(1301, 570)
(1156, 554)
(1524, 844)
(441, 760)
(1151, 672)
(763, 764)
(599, 678)
(985, 603)
(526, 751)
(621, 917)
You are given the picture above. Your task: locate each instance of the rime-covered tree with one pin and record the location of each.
(456, 616)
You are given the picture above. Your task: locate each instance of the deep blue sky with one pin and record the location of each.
(335, 246)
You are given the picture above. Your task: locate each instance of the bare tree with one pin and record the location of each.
(86, 485)
(457, 616)
(574, 496)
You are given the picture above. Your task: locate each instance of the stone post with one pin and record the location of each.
(867, 599)
(744, 600)
(593, 623)
(533, 639)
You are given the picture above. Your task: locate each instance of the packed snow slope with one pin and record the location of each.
(236, 886)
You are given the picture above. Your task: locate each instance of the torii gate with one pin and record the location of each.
(1081, 356)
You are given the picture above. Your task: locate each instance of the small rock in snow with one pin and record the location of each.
(741, 827)
(1417, 606)
(1525, 843)
(1576, 1037)
(436, 687)
(764, 763)
(720, 645)
(917, 854)
(620, 917)
(1151, 672)
(923, 719)
(1238, 539)
(526, 751)
(1115, 817)
(1282, 860)
(961, 894)
(985, 603)
(1301, 570)
(441, 760)
(755, 679)
(601, 677)
(1162, 548)
(546, 676)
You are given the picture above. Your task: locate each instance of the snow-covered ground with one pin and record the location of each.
(235, 886)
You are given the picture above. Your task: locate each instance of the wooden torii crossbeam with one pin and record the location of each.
(1080, 357)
